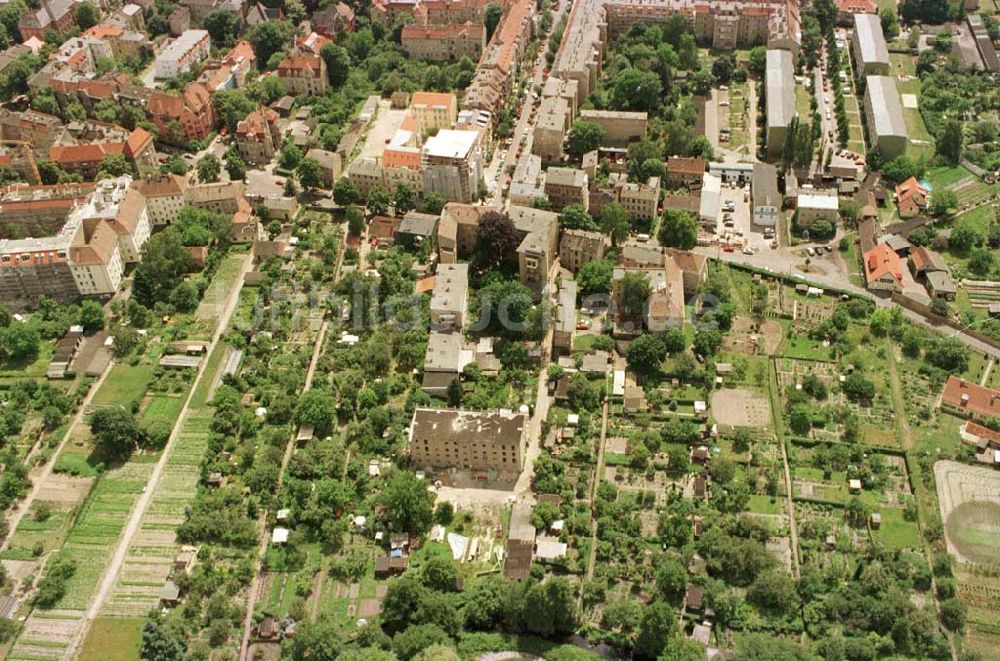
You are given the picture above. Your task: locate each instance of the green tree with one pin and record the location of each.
(316, 407)
(491, 18)
(707, 341)
(595, 277)
(417, 638)
(646, 353)
(116, 430)
(636, 90)
(497, 240)
(949, 144)
(269, 38)
(550, 607)
(236, 167)
(613, 220)
(942, 201)
(289, 156)
(583, 137)
(19, 341)
(758, 61)
(378, 200)
(355, 221)
(209, 169)
(113, 165)
(91, 316)
(87, 15)
(310, 173)
(344, 192)
(338, 63)
(671, 579)
(575, 217)
(404, 199)
(963, 239)
(433, 203)
(223, 27)
(679, 229)
(439, 573)
(409, 506)
(164, 263)
(657, 629)
(890, 23)
(635, 291)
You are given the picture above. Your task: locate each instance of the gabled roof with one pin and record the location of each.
(882, 260)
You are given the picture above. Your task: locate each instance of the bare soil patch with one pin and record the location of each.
(738, 407)
(65, 491)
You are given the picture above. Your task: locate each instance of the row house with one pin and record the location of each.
(258, 137)
(58, 16)
(303, 74)
(182, 54)
(448, 43)
(334, 21)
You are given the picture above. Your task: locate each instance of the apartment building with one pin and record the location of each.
(565, 327)
(329, 163)
(565, 186)
(577, 247)
(468, 440)
(527, 184)
(365, 174)
(446, 356)
(452, 164)
(448, 43)
(552, 125)
(538, 231)
(779, 80)
(258, 137)
(182, 54)
(765, 201)
(121, 41)
(304, 74)
(433, 110)
(225, 197)
(813, 205)
(620, 128)
(684, 172)
(165, 196)
(85, 256)
(641, 200)
(232, 70)
(968, 399)
(499, 63)
(868, 49)
(334, 21)
(458, 230)
(447, 12)
(884, 115)
(84, 145)
(58, 16)
(192, 111)
(449, 306)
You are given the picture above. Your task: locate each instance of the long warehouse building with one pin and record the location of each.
(884, 113)
(780, 98)
(871, 55)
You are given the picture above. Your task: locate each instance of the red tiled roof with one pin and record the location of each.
(881, 260)
(137, 140)
(401, 158)
(686, 165)
(971, 396)
(88, 153)
(432, 99)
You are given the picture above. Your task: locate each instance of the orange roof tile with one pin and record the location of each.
(401, 158)
(881, 260)
(102, 30)
(432, 99)
(973, 397)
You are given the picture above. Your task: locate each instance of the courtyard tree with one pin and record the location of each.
(409, 506)
(584, 136)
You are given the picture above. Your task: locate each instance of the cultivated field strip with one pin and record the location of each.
(51, 634)
(152, 551)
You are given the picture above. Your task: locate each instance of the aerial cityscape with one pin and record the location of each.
(489, 330)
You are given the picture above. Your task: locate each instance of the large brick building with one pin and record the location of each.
(304, 74)
(469, 440)
(448, 43)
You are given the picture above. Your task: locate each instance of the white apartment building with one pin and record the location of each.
(182, 54)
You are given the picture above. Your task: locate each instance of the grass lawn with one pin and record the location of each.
(896, 532)
(903, 65)
(124, 384)
(32, 367)
(806, 348)
(767, 505)
(162, 410)
(941, 436)
(850, 257)
(113, 639)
